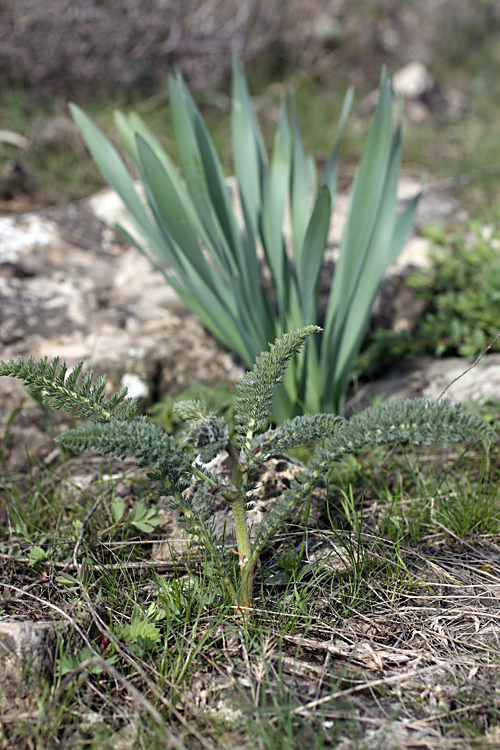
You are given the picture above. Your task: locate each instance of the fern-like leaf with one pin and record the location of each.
(256, 388)
(52, 383)
(190, 409)
(419, 422)
(298, 431)
(146, 442)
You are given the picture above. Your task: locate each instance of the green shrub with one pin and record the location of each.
(462, 292)
(461, 289)
(212, 256)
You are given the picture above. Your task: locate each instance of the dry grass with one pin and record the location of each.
(374, 642)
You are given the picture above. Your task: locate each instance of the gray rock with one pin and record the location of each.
(413, 80)
(27, 653)
(421, 94)
(459, 381)
(450, 378)
(70, 287)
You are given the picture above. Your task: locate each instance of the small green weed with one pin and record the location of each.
(484, 407)
(461, 290)
(176, 464)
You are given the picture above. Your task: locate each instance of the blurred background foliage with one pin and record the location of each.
(119, 53)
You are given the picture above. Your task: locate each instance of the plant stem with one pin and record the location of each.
(237, 500)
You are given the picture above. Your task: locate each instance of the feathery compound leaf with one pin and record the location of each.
(147, 443)
(292, 433)
(190, 409)
(256, 388)
(63, 391)
(206, 432)
(298, 431)
(419, 422)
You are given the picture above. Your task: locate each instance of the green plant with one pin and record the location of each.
(218, 397)
(181, 463)
(461, 290)
(211, 255)
(485, 407)
(143, 518)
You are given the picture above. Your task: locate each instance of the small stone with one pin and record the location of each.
(413, 81)
(27, 652)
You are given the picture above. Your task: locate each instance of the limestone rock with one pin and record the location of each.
(70, 287)
(461, 382)
(27, 651)
(428, 377)
(413, 80)
(422, 95)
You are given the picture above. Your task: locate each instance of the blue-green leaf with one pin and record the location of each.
(312, 255)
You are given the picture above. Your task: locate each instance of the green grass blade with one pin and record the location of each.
(330, 171)
(241, 257)
(188, 125)
(172, 214)
(312, 394)
(127, 134)
(188, 152)
(404, 223)
(219, 195)
(209, 192)
(382, 249)
(133, 125)
(251, 170)
(130, 125)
